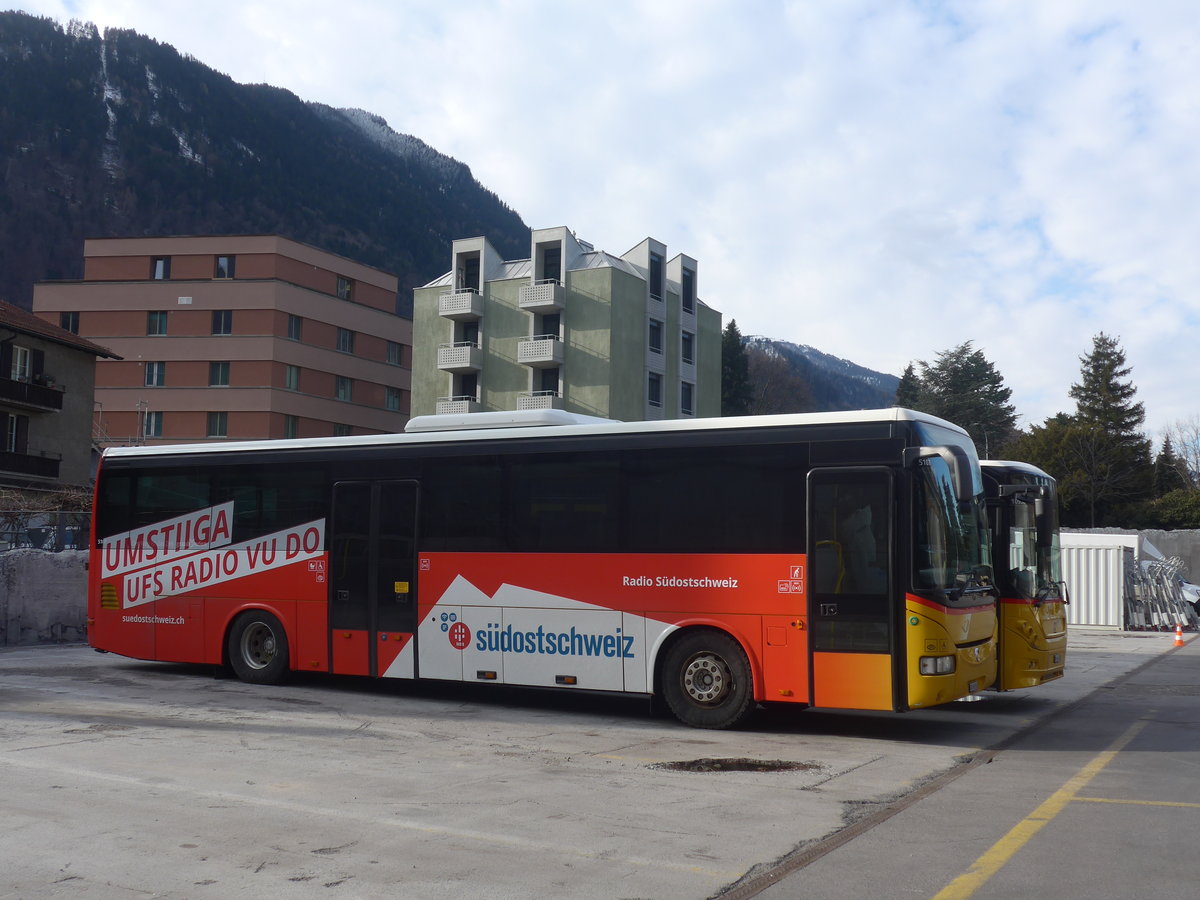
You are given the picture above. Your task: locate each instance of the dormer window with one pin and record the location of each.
(552, 263)
(657, 285)
(466, 272)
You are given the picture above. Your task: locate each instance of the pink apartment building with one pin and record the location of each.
(235, 337)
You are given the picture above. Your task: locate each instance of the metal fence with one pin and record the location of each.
(39, 530)
(1154, 599)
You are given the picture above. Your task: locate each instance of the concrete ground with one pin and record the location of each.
(126, 779)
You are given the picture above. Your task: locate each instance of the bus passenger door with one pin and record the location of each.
(850, 587)
(372, 578)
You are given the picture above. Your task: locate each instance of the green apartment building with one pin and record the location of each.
(571, 327)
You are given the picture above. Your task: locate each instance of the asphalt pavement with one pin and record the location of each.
(1100, 799)
(122, 778)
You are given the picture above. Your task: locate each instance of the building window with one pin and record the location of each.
(395, 354)
(160, 268)
(656, 276)
(345, 287)
(291, 378)
(466, 386)
(654, 389)
(345, 340)
(548, 379)
(295, 327)
(156, 374)
(345, 388)
(467, 273)
(552, 263)
(291, 426)
(656, 336)
(152, 425)
(341, 430)
(218, 374)
(687, 347)
(16, 433)
(224, 267)
(218, 424)
(467, 332)
(394, 399)
(222, 321)
(686, 402)
(69, 321)
(156, 321)
(688, 300)
(22, 364)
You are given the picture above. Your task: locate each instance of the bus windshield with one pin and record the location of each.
(1035, 566)
(953, 555)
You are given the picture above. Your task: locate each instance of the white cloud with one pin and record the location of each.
(882, 180)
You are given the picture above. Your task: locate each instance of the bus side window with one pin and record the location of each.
(565, 502)
(463, 505)
(163, 496)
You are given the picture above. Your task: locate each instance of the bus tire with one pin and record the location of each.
(706, 680)
(258, 648)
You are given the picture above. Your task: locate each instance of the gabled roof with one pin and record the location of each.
(16, 319)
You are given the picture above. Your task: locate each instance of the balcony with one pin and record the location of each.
(456, 406)
(542, 296)
(24, 464)
(540, 351)
(460, 358)
(540, 400)
(463, 305)
(30, 396)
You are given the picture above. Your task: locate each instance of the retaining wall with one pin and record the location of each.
(43, 597)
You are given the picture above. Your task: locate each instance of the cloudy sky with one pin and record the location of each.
(880, 180)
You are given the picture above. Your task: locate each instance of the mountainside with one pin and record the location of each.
(829, 382)
(122, 136)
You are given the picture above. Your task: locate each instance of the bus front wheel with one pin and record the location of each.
(706, 680)
(258, 648)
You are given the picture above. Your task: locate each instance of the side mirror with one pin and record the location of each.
(958, 462)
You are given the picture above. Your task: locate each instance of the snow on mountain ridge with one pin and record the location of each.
(377, 129)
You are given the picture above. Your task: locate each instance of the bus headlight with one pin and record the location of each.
(936, 665)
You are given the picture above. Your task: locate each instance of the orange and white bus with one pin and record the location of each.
(1023, 508)
(830, 559)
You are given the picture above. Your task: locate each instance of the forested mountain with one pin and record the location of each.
(797, 378)
(119, 135)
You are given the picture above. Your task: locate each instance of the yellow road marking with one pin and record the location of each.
(1138, 802)
(1006, 848)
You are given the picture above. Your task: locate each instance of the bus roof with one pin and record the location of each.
(511, 425)
(1013, 466)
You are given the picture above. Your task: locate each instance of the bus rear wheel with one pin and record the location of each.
(258, 648)
(706, 680)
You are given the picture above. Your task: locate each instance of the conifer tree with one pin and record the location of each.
(908, 391)
(736, 394)
(1104, 395)
(1169, 471)
(1113, 459)
(964, 387)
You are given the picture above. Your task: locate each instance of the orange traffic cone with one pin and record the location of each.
(1178, 635)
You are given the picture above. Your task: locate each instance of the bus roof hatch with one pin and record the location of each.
(524, 418)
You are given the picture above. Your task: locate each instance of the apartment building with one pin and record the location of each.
(623, 337)
(236, 337)
(46, 382)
